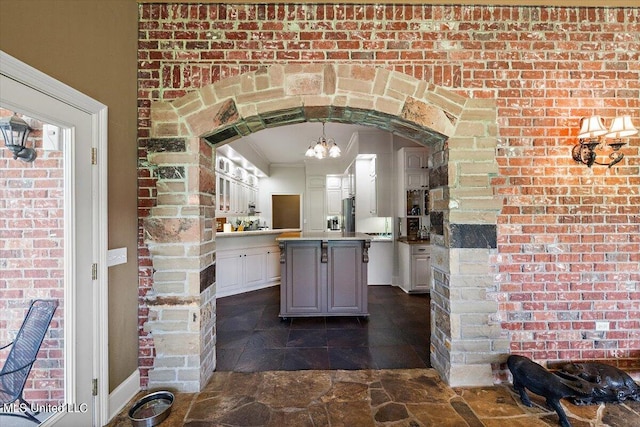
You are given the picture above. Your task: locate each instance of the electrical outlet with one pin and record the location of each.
(116, 256)
(50, 137)
(602, 326)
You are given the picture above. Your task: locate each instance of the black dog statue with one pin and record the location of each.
(528, 375)
(580, 383)
(610, 383)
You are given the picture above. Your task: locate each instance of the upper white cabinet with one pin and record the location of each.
(415, 158)
(366, 200)
(236, 189)
(385, 200)
(334, 195)
(334, 182)
(316, 219)
(373, 186)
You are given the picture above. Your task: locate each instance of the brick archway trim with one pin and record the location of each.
(179, 230)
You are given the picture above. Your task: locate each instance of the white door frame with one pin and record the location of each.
(29, 76)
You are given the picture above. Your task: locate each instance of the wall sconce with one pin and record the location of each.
(593, 135)
(15, 131)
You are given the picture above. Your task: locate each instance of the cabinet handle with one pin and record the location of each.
(421, 250)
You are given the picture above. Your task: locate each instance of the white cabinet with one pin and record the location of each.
(373, 188)
(415, 158)
(242, 270)
(416, 179)
(373, 195)
(316, 218)
(420, 268)
(223, 189)
(235, 189)
(334, 182)
(347, 186)
(414, 268)
(229, 272)
(380, 266)
(334, 202)
(413, 182)
(255, 267)
(334, 195)
(273, 264)
(366, 197)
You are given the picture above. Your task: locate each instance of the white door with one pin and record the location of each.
(84, 233)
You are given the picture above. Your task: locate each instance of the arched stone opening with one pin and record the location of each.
(466, 338)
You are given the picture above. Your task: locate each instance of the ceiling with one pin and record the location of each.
(287, 144)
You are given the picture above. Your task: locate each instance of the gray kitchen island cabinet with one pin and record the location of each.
(323, 274)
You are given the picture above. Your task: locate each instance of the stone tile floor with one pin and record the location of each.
(361, 398)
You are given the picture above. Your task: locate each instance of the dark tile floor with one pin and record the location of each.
(252, 338)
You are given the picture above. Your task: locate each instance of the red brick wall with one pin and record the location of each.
(32, 257)
(568, 235)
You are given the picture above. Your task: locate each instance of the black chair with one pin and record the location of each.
(23, 353)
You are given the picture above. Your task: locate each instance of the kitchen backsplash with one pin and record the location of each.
(381, 224)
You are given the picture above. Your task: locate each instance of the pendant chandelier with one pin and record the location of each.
(323, 147)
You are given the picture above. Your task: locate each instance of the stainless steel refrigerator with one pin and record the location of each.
(349, 214)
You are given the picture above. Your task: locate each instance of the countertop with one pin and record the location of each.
(250, 233)
(324, 236)
(413, 241)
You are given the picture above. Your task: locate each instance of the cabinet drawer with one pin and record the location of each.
(420, 249)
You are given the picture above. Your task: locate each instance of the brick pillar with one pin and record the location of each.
(465, 336)
(180, 239)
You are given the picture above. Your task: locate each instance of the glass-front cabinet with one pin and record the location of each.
(237, 190)
(224, 194)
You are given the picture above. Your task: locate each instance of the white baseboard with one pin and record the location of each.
(119, 397)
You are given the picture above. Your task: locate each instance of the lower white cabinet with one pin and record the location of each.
(273, 264)
(414, 267)
(243, 270)
(380, 266)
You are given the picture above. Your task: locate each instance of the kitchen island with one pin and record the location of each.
(323, 274)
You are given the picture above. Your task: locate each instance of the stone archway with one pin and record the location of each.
(465, 338)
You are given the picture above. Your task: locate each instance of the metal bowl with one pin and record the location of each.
(151, 409)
